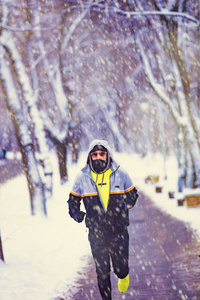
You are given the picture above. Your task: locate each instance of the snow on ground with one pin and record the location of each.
(43, 255)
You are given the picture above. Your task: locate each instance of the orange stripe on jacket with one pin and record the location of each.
(122, 192)
(85, 195)
(96, 194)
(131, 188)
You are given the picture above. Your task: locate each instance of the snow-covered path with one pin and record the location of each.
(164, 260)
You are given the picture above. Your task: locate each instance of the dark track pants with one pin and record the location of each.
(105, 247)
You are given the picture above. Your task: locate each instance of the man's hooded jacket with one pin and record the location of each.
(122, 196)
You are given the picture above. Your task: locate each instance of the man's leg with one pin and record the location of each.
(101, 257)
(119, 251)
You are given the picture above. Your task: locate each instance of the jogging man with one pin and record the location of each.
(107, 193)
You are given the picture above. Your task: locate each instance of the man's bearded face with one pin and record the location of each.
(99, 161)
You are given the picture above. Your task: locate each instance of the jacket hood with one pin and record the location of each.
(105, 144)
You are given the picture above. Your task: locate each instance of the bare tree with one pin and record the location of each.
(19, 114)
(36, 187)
(175, 94)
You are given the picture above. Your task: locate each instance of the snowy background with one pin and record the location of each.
(44, 255)
(72, 71)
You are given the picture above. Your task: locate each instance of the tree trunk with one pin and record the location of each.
(30, 101)
(21, 125)
(75, 150)
(62, 160)
(1, 249)
(36, 186)
(61, 148)
(181, 159)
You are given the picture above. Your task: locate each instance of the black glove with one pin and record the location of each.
(129, 206)
(80, 216)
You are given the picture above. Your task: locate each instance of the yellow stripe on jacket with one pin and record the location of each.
(103, 184)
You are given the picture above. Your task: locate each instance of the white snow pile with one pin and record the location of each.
(44, 255)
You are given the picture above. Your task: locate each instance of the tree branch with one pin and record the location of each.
(164, 12)
(73, 28)
(26, 28)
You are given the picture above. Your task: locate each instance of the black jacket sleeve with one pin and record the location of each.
(131, 198)
(74, 203)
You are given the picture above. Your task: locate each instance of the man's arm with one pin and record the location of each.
(130, 192)
(74, 201)
(131, 198)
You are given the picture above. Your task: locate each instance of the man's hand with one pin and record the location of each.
(129, 206)
(80, 216)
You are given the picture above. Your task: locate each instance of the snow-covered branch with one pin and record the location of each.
(73, 28)
(54, 75)
(158, 88)
(17, 29)
(109, 111)
(57, 134)
(164, 12)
